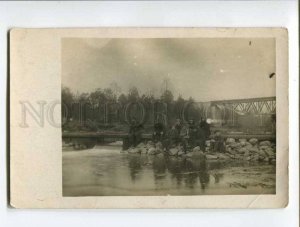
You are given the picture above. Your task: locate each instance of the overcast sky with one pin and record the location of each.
(205, 68)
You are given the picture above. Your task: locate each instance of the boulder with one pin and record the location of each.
(235, 145)
(189, 155)
(173, 151)
(134, 150)
(230, 140)
(242, 140)
(262, 153)
(223, 156)
(247, 158)
(270, 149)
(195, 149)
(248, 146)
(255, 157)
(238, 145)
(264, 147)
(152, 151)
(253, 150)
(197, 153)
(266, 159)
(158, 151)
(211, 157)
(180, 153)
(128, 150)
(144, 150)
(242, 150)
(150, 144)
(160, 155)
(140, 145)
(159, 145)
(265, 143)
(230, 155)
(231, 151)
(261, 158)
(246, 153)
(253, 141)
(239, 156)
(138, 150)
(243, 144)
(270, 152)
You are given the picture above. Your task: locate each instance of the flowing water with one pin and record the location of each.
(103, 170)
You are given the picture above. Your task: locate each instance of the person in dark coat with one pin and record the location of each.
(203, 133)
(206, 128)
(135, 133)
(178, 125)
(158, 134)
(201, 138)
(192, 133)
(172, 138)
(218, 145)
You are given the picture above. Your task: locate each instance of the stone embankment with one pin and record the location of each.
(241, 149)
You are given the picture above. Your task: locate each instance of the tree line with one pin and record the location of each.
(166, 107)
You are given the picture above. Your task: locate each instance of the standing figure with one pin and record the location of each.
(201, 137)
(173, 137)
(158, 134)
(206, 127)
(218, 145)
(192, 133)
(135, 133)
(178, 125)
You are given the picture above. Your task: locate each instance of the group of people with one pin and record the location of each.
(186, 136)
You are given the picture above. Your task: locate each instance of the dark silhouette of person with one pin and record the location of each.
(192, 134)
(218, 145)
(201, 137)
(158, 134)
(178, 125)
(173, 137)
(135, 133)
(206, 128)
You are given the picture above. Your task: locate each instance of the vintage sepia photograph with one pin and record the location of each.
(149, 118)
(168, 116)
(142, 110)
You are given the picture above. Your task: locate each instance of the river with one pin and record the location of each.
(104, 171)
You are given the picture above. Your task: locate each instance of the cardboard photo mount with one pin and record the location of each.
(36, 146)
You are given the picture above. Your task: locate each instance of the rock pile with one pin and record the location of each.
(150, 148)
(237, 149)
(251, 150)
